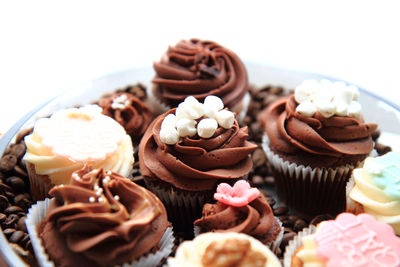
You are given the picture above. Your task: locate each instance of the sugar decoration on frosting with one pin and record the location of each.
(385, 173)
(239, 195)
(352, 240)
(192, 117)
(120, 102)
(328, 98)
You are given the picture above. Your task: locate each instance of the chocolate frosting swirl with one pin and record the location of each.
(195, 163)
(335, 140)
(134, 116)
(102, 219)
(255, 219)
(200, 68)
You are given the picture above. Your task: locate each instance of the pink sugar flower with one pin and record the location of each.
(239, 195)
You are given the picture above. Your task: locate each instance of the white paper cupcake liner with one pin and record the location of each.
(294, 244)
(37, 214)
(301, 187)
(272, 246)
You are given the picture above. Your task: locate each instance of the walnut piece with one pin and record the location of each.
(232, 253)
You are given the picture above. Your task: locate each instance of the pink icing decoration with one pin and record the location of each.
(239, 195)
(352, 240)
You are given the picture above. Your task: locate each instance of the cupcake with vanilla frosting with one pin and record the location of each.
(187, 151)
(68, 140)
(374, 189)
(201, 68)
(314, 139)
(223, 250)
(100, 219)
(349, 240)
(241, 209)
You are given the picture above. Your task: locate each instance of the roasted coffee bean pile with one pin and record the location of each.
(15, 198)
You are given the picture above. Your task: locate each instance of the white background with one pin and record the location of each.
(48, 47)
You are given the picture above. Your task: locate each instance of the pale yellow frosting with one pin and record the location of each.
(73, 137)
(373, 199)
(308, 254)
(190, 253)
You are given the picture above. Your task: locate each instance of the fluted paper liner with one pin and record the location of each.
(296, 243)
(40, 184)
(37, 214)
(309, 190)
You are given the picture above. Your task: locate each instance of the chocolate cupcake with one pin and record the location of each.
(373, 189)
(314, 139)
(68, 140)
(187, 151)
(129, 111)
(241, 209)
(201, 68)
(100, 219)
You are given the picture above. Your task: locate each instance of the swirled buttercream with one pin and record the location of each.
(129, 111)
(195, 163)
(200, 68)
(101, 219)
(316, 141)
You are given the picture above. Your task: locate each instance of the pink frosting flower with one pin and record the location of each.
(239, 195)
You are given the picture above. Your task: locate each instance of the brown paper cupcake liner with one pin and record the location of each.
(37, 214)
(40, 184)
(183, 207)
(307, 190)
(295, 244)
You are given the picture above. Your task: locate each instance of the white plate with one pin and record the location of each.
(375, 109)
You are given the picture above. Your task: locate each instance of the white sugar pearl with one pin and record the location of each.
(207, 127)
(306, 108)
(225, 119)
(169, 121)
(210, 111)
(214, 101)
(169, 135)
(180, 112)
(186, 127)
(355, 109)
(343, 94)
(342, 108)
(326, 108)
(355, 91)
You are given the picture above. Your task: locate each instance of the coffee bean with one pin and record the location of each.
(8, 232)
(382, 149)
(25, 239)
(4, 188)
(263, 169)
(28, 246)
(3, 203)
(287, 222)
(3, 217)
(271, 201)
(13, 210)
(16, 236)
(269, 100)
(319, 218)
(269, 180)
(8, 162)
(257, 180)
(286, 238)
(20, 171)
(10, 221)
(18, 150)
(21, 201)
(299, 225)
(16, 182)
(21, 224)
(281, 210)
(258, 157)
(21, 135)
(9, 195)
(375, 135)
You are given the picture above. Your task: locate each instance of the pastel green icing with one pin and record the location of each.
(385, 173)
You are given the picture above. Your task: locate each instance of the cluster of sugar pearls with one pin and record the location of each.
(184, 122)
(328, 98)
